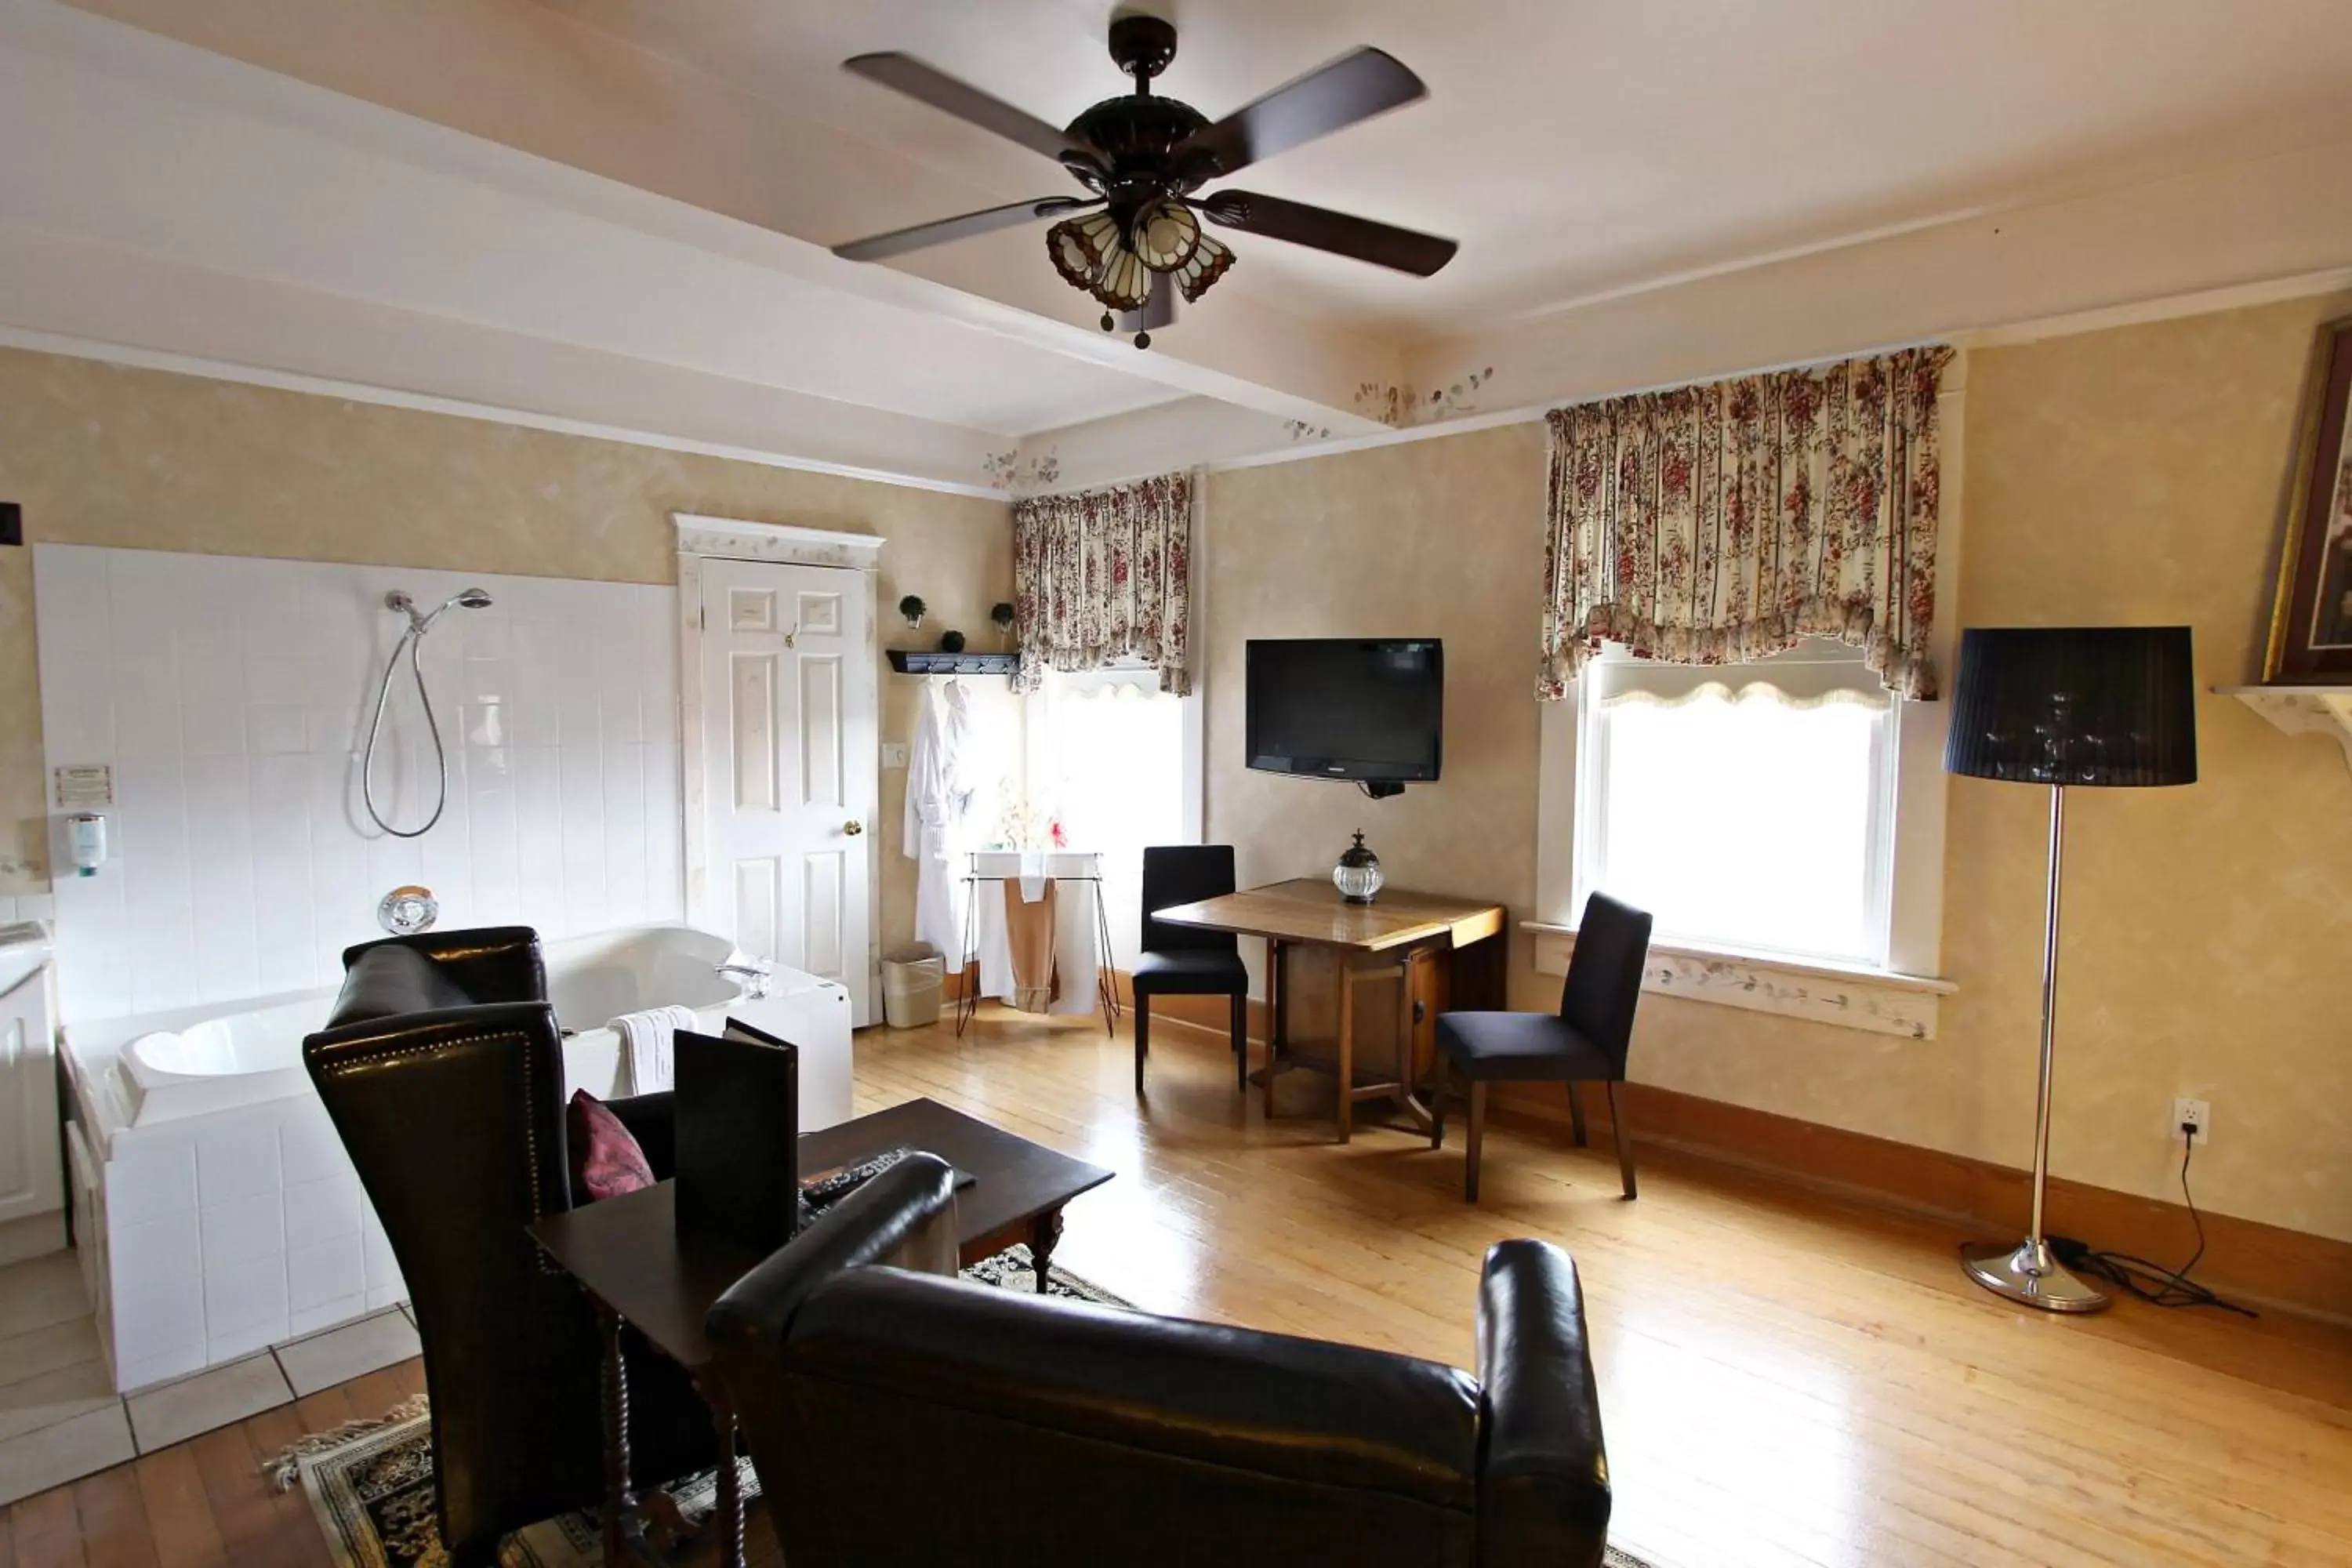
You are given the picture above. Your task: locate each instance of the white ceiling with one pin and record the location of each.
(615, 212)
(156, 198)
(1583, 147)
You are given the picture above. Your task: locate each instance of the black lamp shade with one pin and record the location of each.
(2075, 705)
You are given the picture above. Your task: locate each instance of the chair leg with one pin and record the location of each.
(1241, 1041)
(1142, 1036)
(1438, 1072)
(1624, 1139)
(1576, 1113)
(1477, 1137)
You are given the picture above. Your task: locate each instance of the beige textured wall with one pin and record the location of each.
(100, 454)
(1440, 539)
(2137, 473)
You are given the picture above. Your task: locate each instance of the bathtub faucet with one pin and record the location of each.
(754, 973)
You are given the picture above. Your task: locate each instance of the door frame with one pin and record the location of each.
(701, 539)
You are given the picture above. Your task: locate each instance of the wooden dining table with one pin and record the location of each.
(1443, 952)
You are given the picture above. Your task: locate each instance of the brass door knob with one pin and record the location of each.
(852, 829)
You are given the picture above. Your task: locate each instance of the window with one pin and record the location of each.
(1748, 806)
(1109, 761)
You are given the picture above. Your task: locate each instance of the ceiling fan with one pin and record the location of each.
(1136, 240)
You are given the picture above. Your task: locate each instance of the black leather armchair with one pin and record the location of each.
(442, 1068)
(1089, 1434)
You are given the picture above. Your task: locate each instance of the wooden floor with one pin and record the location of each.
(1784, 1380)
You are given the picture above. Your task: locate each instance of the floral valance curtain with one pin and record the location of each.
(1105, 575)
(1718, 523)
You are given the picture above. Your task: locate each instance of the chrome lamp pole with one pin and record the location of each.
(2109, 706)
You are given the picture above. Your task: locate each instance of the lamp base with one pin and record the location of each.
(2027, 1273)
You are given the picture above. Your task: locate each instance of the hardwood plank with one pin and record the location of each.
(411, 1377)
(47, 1530)
(1827, 1340)
(115, 1530)
(371, 1397)
(173, 1487)
(2263, 1266)
(245, 1511)
(1791, 1377)
(295, 1537)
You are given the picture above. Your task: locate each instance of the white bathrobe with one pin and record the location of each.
(939, 801)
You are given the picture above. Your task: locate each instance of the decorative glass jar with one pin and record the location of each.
(1358, 874)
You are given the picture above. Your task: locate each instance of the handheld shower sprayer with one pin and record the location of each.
(419, 623)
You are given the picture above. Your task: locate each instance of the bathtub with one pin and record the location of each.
(249, 1058)
(218, 1212)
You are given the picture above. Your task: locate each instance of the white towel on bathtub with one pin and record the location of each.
(647, 1046)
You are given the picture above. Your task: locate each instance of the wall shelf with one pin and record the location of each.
(2302, 710)
(927, 661)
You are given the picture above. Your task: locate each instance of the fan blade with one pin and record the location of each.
(904, 73)
(1382, 243)
(898, 241)
(1352, 87)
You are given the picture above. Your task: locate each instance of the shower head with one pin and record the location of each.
(471, 599)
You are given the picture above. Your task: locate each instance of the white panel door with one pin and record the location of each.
(791, 766)
(32, 1179)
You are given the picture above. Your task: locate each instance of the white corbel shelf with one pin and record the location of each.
(2302, 710)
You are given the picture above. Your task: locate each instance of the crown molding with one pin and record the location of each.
(740, 539)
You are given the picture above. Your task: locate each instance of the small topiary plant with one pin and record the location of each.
(950, 642)
(912, 607)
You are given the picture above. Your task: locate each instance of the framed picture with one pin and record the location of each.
(2311, 622)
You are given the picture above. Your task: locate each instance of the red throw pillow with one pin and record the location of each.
(606, 1159)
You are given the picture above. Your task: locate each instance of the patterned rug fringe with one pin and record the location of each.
(285, 1468)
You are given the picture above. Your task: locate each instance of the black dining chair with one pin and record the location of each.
(1585, 1042)
(1182, 961)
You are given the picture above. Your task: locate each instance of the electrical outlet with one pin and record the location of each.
(2195, 1113)
(894, 754)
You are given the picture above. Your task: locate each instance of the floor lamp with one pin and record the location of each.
(2104, 706)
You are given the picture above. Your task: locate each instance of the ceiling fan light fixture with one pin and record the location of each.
(1165, 233)
(1125, 282)
(1209, 261)
(1141, 155)
(1080, 246)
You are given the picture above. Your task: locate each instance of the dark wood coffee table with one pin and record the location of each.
(627, 1256)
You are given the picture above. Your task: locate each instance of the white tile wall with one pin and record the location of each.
(232, 1232)
(232, 696)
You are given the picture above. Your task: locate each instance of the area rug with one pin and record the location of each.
(371, 1483)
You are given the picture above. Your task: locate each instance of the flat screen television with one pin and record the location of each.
(1372, 710)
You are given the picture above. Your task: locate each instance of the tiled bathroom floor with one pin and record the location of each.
(60, 1418)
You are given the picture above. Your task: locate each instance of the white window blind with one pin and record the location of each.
(1748, 806)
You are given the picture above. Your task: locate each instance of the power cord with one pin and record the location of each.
(2150, 1281)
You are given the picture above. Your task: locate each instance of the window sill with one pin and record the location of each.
(1851, 996)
